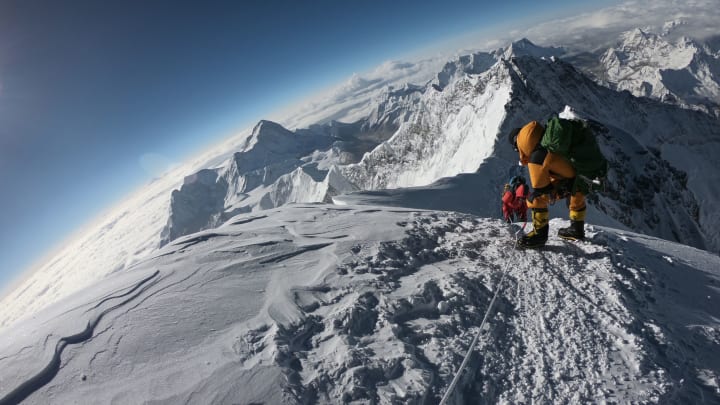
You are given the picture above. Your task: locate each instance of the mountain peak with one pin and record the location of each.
(523, 43)
(525, 47)
(265, 126)
(636, 36)
(268, 131)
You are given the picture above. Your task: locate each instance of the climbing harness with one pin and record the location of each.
(460, 370)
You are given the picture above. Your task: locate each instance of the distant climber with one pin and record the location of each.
(561, 158)
(514, 205)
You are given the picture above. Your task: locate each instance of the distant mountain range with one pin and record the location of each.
(682, 71)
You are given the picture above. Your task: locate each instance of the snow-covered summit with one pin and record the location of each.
(327, 304)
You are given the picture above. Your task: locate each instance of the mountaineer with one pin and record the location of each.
(562, 157)
(515, 194)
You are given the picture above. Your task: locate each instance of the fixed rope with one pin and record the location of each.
(460, 370)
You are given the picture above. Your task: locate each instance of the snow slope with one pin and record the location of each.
(327, 304)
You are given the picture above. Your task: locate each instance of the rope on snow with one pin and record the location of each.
(460, 370)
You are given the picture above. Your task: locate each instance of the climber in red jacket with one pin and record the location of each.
(514, 206)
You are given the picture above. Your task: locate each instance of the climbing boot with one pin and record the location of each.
(576, 230)
(539, 235)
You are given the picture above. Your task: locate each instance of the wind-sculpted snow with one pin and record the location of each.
(326, 304)
(51, 369)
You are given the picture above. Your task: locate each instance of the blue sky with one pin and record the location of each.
(89, 87)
